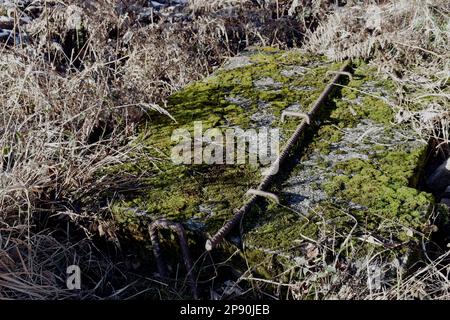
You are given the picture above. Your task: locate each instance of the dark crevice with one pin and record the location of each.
(74, 46)
(436, 155)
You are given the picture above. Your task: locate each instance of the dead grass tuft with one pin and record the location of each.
(408, 41)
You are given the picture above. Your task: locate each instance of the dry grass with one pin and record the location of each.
(408, 41)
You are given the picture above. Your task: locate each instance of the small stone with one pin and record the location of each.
(6, 22)
(409, 232)
(263, 118)
(147, 15)
(311, 251)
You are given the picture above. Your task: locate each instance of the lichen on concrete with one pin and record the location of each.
(250, 91)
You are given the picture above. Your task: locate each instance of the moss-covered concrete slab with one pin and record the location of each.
(249, 92)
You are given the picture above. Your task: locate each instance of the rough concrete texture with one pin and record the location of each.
(248, 93)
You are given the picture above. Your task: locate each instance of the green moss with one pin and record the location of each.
(366, 97)
(328, 135)
(227, 99)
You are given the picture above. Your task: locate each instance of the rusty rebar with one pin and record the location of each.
(264, 194)
(268, 179)
(156, 246)
(295, 114)
(182, 240)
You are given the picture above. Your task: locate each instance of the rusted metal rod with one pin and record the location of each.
(156, 246)
(182, 240)
(264, 194)
(295, 114)
(345, 73)
(268, 179)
